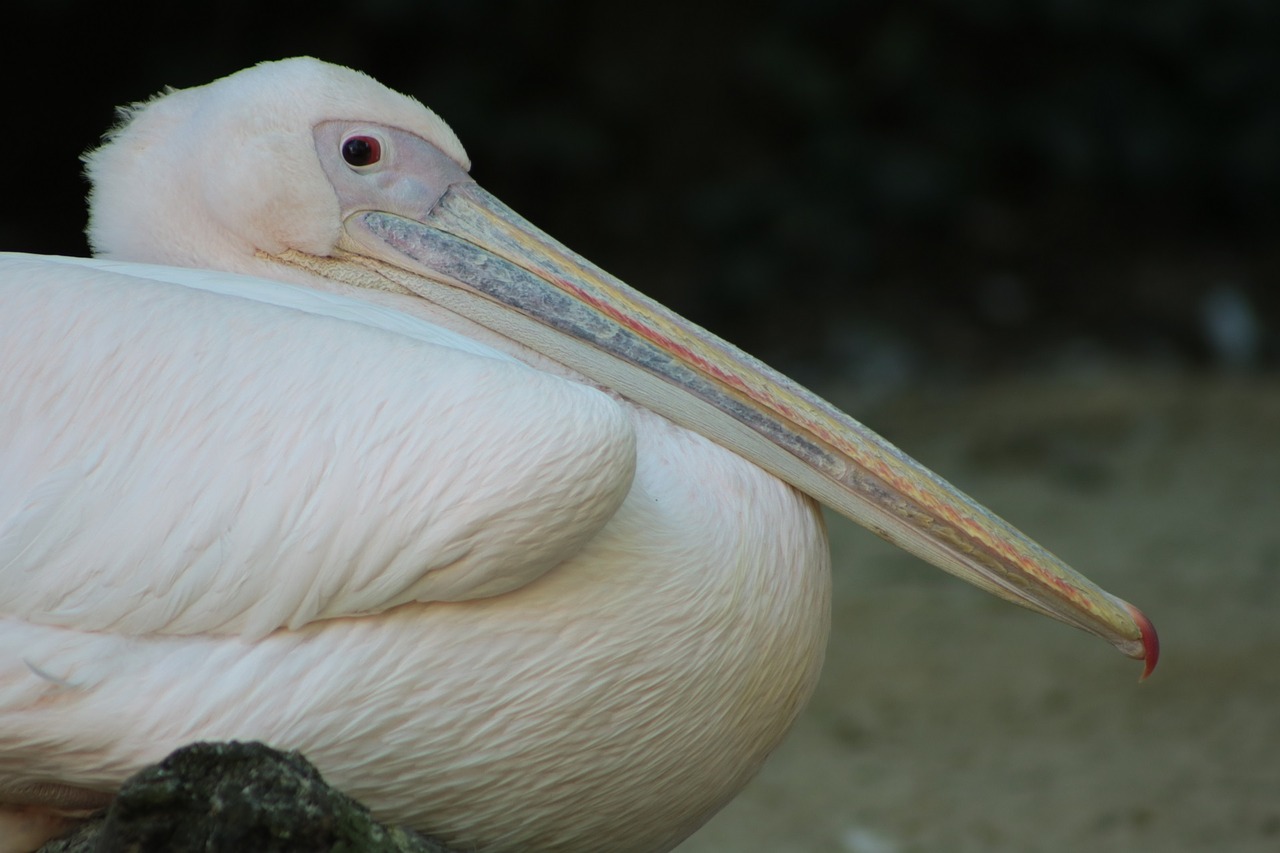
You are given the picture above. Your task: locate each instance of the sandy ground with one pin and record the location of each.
(949, 721)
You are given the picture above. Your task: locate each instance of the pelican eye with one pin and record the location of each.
(361, 151)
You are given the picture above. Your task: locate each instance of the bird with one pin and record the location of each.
(326, 447)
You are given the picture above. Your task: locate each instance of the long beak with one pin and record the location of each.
(541, 294)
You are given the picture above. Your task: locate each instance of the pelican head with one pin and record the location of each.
(310, 172)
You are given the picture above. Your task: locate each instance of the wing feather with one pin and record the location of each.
(193, 452)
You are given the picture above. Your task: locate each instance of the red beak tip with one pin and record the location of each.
(1150, 640)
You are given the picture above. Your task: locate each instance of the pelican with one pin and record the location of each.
(328, 448)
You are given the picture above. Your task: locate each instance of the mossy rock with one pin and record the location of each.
(234, 797)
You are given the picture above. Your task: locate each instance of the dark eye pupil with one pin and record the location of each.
(361, 151)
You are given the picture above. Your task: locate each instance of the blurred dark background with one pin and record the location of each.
(888, 193)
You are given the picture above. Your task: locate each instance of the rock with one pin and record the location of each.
(236, 797)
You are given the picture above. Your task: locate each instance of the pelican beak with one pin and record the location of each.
(476, 257)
